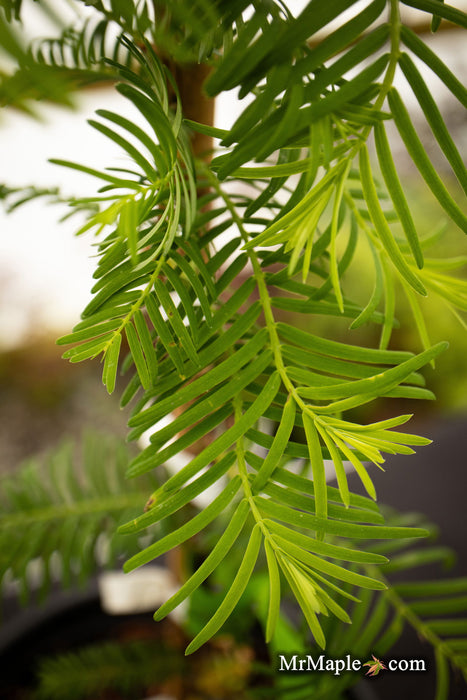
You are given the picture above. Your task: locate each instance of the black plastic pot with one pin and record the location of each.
(68, 622)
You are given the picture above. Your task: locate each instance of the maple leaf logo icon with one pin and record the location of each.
(375, 666)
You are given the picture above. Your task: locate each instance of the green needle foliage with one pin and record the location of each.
(63, 513)
(435, 609)
(127, 667)
(201, 313)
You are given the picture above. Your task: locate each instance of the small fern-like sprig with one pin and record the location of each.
(126, 666)
(14, 197)
(87, 51)
(67, 508)
(54, 68)
(160, 203)
(435, 609)
(427, 606)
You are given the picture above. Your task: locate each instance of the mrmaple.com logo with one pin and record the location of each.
(306, 663)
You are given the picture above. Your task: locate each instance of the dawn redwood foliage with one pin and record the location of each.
(212, 270)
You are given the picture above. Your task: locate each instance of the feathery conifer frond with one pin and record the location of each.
(67, 509)
(126, 666)
(199, 262)
(435, 609)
